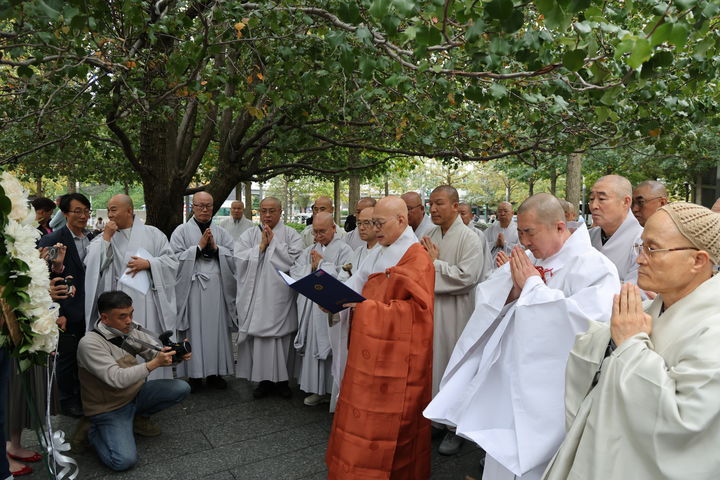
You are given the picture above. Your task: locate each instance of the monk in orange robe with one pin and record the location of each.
(378, 431)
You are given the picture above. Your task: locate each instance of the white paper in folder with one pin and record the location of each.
(141, 280)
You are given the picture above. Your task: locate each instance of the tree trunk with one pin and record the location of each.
(387, 186)
(531, 187)
(573, 181)
(353, 193)
(553, 181)
(286, 198)
(337, 201)
(71, 187)
(248, 200)
(238, 191)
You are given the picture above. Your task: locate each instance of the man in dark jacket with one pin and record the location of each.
(73, 240)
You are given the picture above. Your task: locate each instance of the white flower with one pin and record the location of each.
(45, 323)
(17, 195)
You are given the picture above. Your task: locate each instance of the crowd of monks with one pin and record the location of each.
(563, 351)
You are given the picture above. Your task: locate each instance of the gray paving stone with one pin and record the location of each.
(228, 435)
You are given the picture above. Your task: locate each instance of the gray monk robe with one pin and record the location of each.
(313, 338)
(236, 227)
(460, 266)
(267, 312)
(206, 300)
(654, 412)
(106, 262)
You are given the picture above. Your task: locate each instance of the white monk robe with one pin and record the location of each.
(267, 311)
(379, 259)
(510, 235)
(458, 269)
(353, 239)
(654, 413)
(312, 341)
(236, 227)
(206, 300)
(503, 387)
(619, 248)
(309, 238)
(425, 226)
(107, 261)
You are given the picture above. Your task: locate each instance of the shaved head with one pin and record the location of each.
(653, 187)
(365, 227)
(323, 219)
(199, 200)
(392, 212)
(411, 197)
(571, 213)
(547, 208)
(270, 211)
(237, 203)
(271, 202)
(448, 190)
(616, 184)
(716, 206)
(364, 203)
(202, 197)
(122, 199)
(416, 210)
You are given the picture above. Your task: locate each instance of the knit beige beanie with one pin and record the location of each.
(698, 224)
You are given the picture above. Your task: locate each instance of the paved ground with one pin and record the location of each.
(228, 435)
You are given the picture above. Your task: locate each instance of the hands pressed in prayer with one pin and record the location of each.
(431, 248)
(205, 239)
(500, 242)
(521, 267)
(628, 317)
(110, 229)
(267, 236)
(501, 259)
(316, 259)
(137, 264)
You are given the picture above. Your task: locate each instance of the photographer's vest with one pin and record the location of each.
(99, 397)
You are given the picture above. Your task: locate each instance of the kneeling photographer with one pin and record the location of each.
(116, 397)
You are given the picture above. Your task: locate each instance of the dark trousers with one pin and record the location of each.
(68, 380)
(5, 362)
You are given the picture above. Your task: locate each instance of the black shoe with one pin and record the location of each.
(437, 432)
(196, 384)
(71, 408)
(263, 389)
(283, 389)
(216, 382)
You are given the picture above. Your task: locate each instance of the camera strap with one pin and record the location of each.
(120, 340)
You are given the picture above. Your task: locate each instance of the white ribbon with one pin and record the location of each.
(55, 442)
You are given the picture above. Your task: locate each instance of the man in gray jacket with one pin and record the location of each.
(117, 399)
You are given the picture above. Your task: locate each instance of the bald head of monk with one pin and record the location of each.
(504, 213)
(323, 228)
(415, 208)
(270, 211)
(202, 203)
(237, 209)
(364, 203)
(610, 200)
(322, 204)
(391, 219)
(541, 225)
(121, 210)
(366, 231)
(465, 211)
(647, 198)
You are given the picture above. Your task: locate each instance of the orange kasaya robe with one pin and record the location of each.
(379, 431)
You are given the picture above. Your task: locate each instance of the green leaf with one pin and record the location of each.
(574, 60)
(349, 12)
(404, 7)
(363, 34)
(379, 8)
(582, 27)
(684, 4)
(475, 31)
(641, 53)
(514, 22)
(499, 9)
(661, 34)
(428, 36)
(497, 90)
(25, 71)
(555, 16)
(679, 35)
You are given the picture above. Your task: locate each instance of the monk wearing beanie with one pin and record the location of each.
(642, 395)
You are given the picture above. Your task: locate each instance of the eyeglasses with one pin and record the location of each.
(648, 251)
(79, 212)
(378, 223)
(640, 201)
(365, 223)
(203, 206)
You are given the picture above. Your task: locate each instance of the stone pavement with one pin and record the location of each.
(228, 435)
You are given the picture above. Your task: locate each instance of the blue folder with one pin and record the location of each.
(324, 289)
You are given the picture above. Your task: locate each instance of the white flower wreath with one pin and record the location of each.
(31, 331)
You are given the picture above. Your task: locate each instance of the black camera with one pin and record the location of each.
(181, 348)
